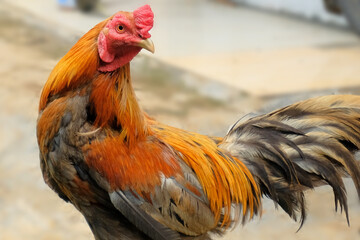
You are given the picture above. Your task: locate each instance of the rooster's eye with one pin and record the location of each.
(120, 28)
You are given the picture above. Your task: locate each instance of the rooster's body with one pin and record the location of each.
(132, 177)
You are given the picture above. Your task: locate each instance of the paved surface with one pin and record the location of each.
(237, 46)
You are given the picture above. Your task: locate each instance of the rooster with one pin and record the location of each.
(134, 178)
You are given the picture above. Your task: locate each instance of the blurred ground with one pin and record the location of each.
(309, 60)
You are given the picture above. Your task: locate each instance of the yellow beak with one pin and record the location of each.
(147, 44)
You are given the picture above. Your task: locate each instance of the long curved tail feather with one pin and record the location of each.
(299, 147)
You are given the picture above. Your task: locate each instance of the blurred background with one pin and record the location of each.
(215, 61)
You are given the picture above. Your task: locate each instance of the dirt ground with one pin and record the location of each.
(30, 210)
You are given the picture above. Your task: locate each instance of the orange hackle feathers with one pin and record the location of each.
(114, 102)
(225, 180)
(76, 68)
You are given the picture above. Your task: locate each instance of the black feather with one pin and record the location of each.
(287, 154)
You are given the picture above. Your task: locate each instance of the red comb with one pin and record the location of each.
(144, 20)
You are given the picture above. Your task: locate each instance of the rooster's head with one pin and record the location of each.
(123, 36)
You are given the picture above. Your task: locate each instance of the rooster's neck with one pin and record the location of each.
(77, 68)
(114, 104)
